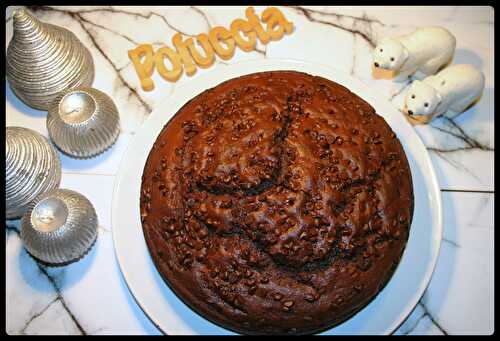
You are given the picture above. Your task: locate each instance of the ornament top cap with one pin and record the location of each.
(25, 23)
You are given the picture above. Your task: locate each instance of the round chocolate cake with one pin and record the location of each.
(276, 202)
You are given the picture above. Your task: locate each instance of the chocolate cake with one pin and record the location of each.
(276, 202)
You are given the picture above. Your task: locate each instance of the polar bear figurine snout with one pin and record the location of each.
(449, 93)
(426, 50)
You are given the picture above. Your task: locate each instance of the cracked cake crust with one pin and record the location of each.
(276, 202)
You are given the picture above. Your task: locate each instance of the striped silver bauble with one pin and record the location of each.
(83, 122)
(59, 227)
(32, 167)
(43, 60)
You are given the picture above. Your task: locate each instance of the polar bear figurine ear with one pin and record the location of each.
(406, 54)
(437, 108)
(439, 98)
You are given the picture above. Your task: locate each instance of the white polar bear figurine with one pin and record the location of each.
(449, 92)
(425, 50)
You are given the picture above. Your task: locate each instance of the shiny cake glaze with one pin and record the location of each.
(276, 202)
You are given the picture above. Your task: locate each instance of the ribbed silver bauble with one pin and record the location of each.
(44, 59)
(32, 167)
(83, 122)
(60, 226)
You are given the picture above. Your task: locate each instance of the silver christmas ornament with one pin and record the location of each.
(32, 167)
(59, 227)
(44, 59)
(83, 122)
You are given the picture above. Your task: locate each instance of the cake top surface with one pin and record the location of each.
(276, 202)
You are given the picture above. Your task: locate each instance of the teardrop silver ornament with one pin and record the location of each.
(44, 59)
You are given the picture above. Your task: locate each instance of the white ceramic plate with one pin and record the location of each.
(382, 316)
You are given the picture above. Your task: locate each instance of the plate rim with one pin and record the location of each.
(255, 66)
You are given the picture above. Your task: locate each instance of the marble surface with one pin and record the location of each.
(91, 296)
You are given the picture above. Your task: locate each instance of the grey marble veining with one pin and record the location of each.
(53, 281)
